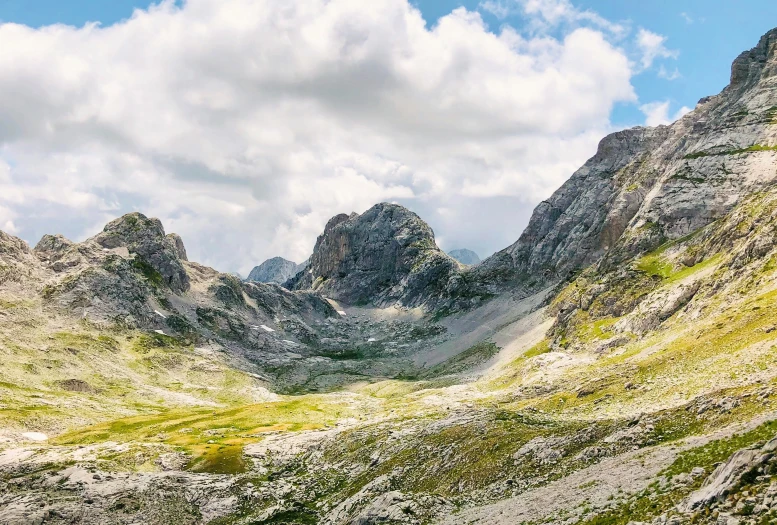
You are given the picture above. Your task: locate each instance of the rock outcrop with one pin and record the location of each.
(145, 238)
(465, 256)
(276, 270)
(385, 256)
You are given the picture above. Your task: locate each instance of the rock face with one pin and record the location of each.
(276, 270)
(385, 256)
(726, 476)
(146, 239)
(647, 185)
(465, 256)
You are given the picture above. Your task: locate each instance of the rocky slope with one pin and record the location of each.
(647, 185)
(465, 256)
(276, 270)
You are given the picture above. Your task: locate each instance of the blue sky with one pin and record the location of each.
(708, 35)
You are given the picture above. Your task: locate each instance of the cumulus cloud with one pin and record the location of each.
(657, 113)
(245, 124)
(652, 45)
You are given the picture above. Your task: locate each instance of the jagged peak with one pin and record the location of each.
(53, 243)
(386, 255)
(12, 248)
(752, 65)
(145, 237)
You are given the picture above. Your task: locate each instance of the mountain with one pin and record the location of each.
(648, 185)
(465, 256)
(276, 270)
(385, 256)
(615, 365)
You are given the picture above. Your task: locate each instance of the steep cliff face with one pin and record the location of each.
(647, 185)
(385, 256)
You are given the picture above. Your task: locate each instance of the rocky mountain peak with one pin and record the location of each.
(275, 270)
(757, 63)
(465, 256)
(12, 249)
(52, 244)
(387, 255)
(145, 238)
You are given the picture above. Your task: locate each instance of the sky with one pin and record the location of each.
(244, 125)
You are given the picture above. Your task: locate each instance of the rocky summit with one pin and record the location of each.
(616, 365)
(276, 270)
(465, 256)
(385, 256)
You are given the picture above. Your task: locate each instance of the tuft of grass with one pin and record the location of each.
(750, 149)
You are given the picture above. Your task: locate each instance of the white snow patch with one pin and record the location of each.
(292, 343)
(160, 314)
(35, 436)
(341, 313)
(266, 328)
(159, 332)
(371, 340)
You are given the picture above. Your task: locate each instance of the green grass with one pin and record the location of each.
(214, 437)
(750, 149)
(141, 266)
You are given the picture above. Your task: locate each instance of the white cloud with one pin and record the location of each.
(669, 75)
(498, 8)
(657, 113)
(245, 124)
(652, 47)
(688, 19)
(546, 14)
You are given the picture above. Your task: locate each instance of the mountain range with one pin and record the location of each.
(615, 365)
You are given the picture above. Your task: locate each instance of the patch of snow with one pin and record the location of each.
(266, 328)
(160, 314)
(292, 343)
(160, 332)
(371, 340)
(341, 313)
(35, 436)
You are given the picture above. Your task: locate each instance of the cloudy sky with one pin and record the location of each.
(245, 124)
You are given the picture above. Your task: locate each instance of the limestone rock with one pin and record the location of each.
(276, 270)
(385, 256)
(145, 238)
(465, 256)
(647, 185)
(728, 474)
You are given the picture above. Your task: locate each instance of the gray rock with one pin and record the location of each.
(276, 270)
(385, 256)
(145, 238)
(465, 256)
(726, 476)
